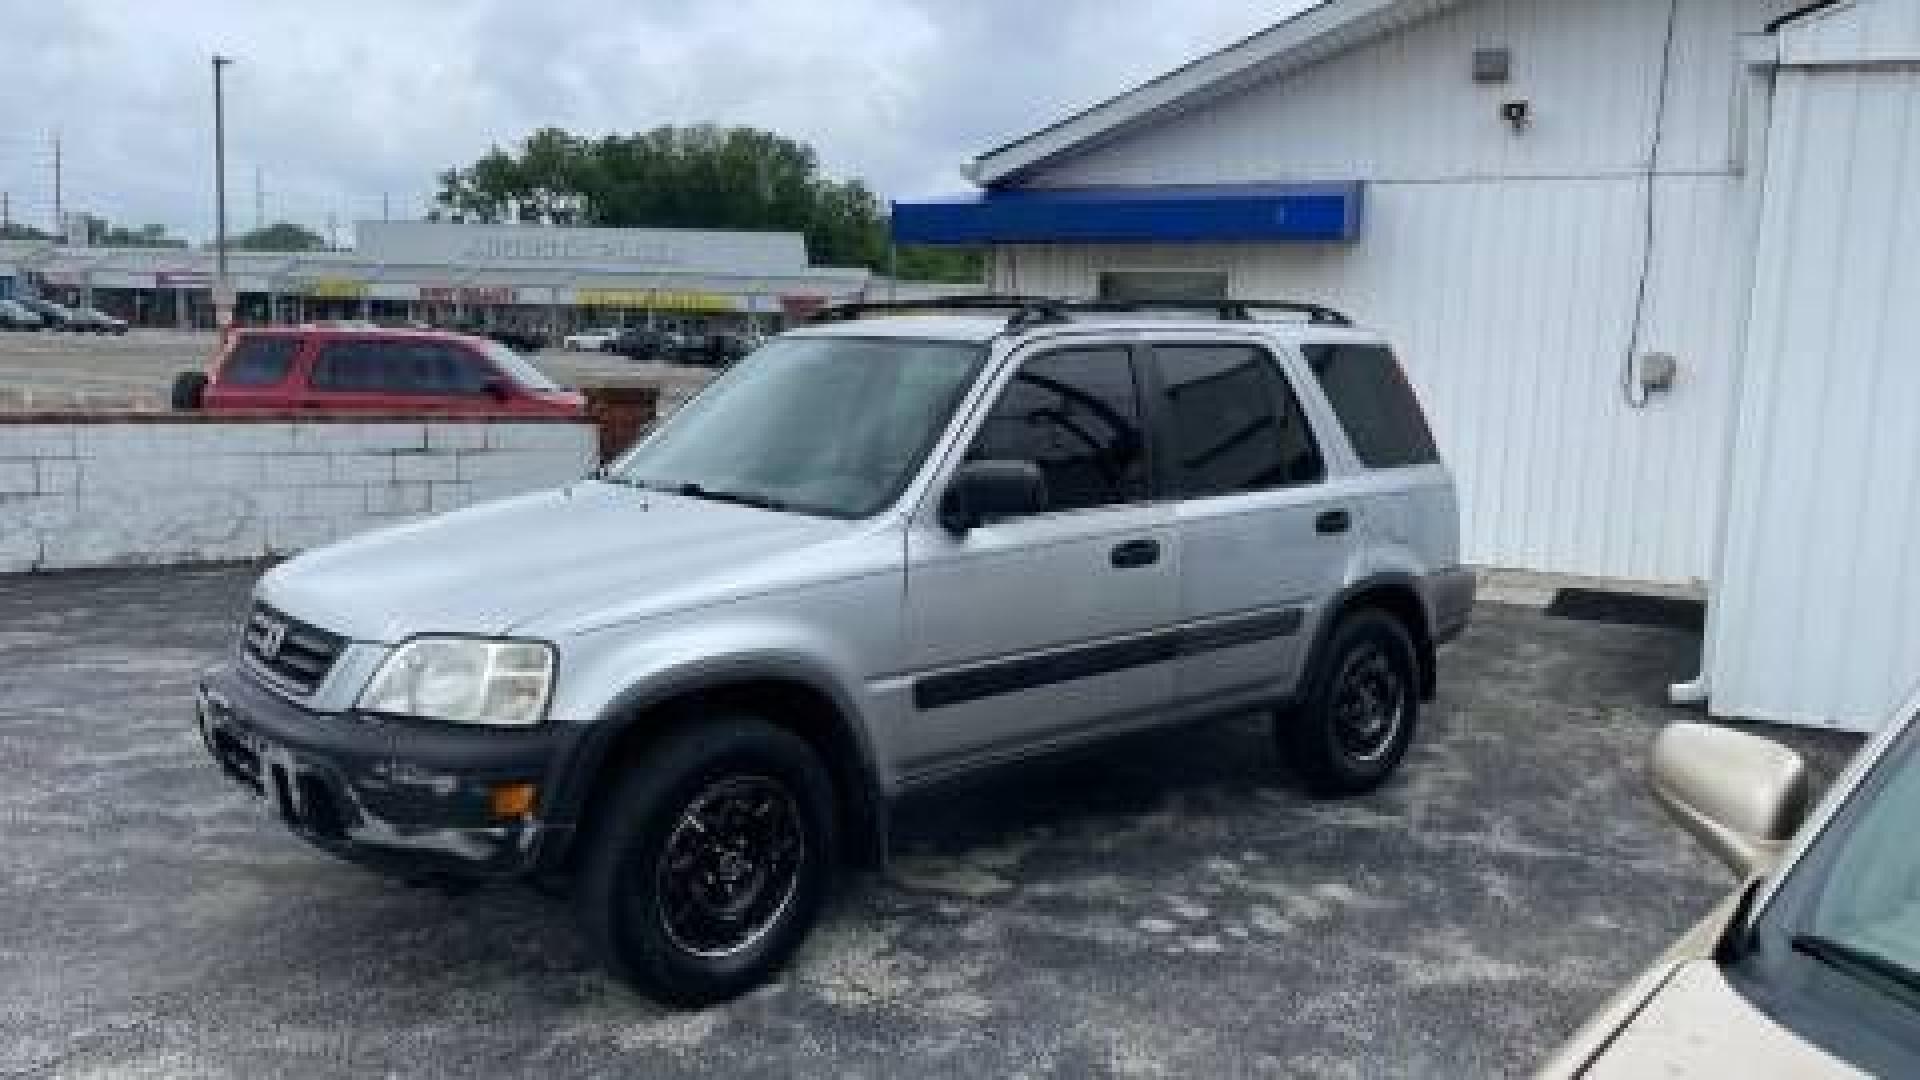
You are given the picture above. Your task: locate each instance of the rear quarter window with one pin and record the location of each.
(1375, 404)
(259, 361)
(398, 367)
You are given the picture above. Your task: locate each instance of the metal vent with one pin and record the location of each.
(1492, 65)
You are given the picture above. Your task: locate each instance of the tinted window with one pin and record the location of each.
(1370, 394)
(1233, 423)
(397, 367)
(1076, 414)
(259, 361)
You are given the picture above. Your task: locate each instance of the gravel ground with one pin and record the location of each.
(1168, 906)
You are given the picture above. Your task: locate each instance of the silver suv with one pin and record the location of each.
(882, 551)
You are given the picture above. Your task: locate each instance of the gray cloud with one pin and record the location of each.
(342, 102)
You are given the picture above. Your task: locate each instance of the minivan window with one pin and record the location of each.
(1370, 395)
(398, 367)
(1076, 414)
(1233, 422)
(825, 425)
(259, 361)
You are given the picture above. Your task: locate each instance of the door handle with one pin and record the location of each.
(1333, 522)
(1136, 553)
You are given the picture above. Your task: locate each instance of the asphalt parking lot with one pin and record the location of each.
(1166, 907)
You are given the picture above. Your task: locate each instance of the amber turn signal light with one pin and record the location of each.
(512, 800)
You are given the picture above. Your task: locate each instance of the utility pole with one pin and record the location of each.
(222, 286)
(259, 200)
(59, 208)
(386, 207)
(333, 231)
(6, 212)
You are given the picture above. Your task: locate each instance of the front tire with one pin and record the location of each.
(1360, 709)
(710, 861)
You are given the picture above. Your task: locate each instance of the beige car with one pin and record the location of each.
(1812, 967)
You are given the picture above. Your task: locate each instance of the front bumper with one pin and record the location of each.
(406, 798)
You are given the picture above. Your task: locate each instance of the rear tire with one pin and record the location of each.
(189, 390)
(710, 861)
(1360, 709)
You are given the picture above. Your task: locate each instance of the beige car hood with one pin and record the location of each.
(1698, 1026)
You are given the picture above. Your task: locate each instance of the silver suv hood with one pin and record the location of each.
(533, 562)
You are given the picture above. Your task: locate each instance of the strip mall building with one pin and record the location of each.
(502, 274)
(1649, 263)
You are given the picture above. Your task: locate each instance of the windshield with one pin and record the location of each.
(1844, 928)
(518, 368)
(825, 425)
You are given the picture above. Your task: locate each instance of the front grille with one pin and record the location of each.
(299, 654)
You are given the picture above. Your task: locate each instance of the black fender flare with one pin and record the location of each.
(1359, 593)
(587, 754)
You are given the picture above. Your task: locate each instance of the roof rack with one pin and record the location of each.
(1027, 312)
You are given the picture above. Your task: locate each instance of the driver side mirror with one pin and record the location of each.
(984, 491)
(498, 389)
(1740, 795)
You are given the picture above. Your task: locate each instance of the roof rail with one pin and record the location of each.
(1027, 312)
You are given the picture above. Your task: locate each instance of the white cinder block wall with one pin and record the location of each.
(108, 492)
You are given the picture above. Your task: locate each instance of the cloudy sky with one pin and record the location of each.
(339, 103)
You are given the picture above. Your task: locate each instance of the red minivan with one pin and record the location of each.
(331, 369)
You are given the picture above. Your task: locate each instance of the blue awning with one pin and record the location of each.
(1282, 213)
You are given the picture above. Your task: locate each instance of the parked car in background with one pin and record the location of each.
(94, 321)
(874, 556)
(519, 339)
(1812, 967)
(17, 316)
(640, 343)
(53, 316)
(590, 340)
(320, 369)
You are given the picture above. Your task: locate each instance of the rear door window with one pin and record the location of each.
(259, 361)
(398, 367)
(1232, 422)
(1375, 404)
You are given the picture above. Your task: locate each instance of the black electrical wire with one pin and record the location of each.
(1634, 396)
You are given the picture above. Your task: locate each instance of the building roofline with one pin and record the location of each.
(1303, 38)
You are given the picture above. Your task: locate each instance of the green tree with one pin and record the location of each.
(280, 236)
(103, 233)
(687, 177)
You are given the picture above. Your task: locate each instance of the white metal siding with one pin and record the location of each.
(1510, 304)
(1504, 266)
(1816, 613)
(1876, 31)
(1404, 107)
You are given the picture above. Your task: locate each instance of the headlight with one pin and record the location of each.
(464, 681)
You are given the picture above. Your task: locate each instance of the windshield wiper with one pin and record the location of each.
(1839, 954)
(743, 498)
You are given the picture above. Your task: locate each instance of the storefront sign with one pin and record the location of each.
(336, 288)
(425, 243)
(182, 279)
(688, 300)
(467, 295)
(799, 306)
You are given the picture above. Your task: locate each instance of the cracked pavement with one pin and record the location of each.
(1169, 905)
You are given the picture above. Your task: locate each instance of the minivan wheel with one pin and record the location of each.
(710, 861)
(1361, 706)
(189, 390)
